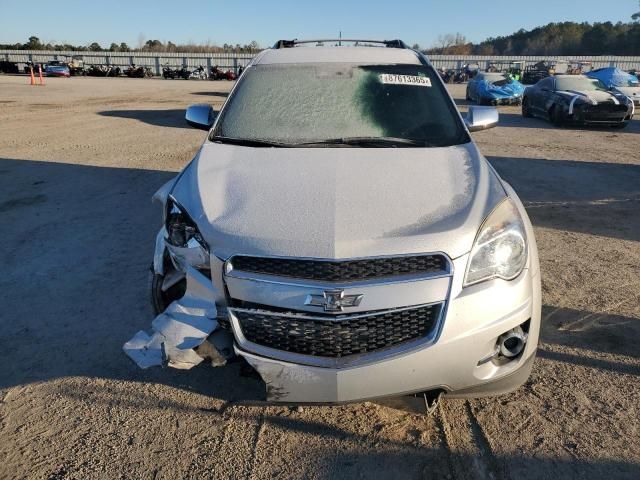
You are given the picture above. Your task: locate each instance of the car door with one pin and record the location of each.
(539, 95)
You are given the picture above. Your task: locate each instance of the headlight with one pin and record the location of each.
(182, 231)
(500, 248)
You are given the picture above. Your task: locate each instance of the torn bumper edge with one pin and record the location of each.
(181, 328)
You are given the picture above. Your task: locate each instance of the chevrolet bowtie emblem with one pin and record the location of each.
(333, 300)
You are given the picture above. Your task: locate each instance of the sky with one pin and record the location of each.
(234, 21)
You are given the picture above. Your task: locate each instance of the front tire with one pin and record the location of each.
(526, 108)
(160, 299)
(555, 115)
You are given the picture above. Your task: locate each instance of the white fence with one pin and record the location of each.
(457, 61)
(155, 60)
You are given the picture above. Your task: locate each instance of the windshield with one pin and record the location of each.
(324, 103)
(580, 84)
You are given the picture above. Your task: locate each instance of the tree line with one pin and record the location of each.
(565, 38)
(34, 43)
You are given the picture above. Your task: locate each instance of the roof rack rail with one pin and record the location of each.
(292, 43)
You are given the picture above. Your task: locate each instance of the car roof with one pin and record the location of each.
(359, 55)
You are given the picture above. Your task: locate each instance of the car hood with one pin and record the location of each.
(593, 96)
(338, 202)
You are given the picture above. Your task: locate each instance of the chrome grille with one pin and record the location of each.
(342, 270)
(340, 336)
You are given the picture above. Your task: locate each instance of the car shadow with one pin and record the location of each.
(82, 237)
(609, 192)
(173, 118)
(592, 332)
(372, 449)
(212, 94)
(76, 266)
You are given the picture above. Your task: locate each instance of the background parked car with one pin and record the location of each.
(577, 99)
(57, 70)
(138, 72)
(102, 71)
(9, 67)
(218, 74)
(488, 88)
(619, 81)
(177, 72)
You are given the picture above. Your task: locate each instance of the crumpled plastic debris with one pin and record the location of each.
(142, 350)
(181, 328)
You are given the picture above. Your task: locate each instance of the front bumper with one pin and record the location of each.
(502, 100)
(455, 362)
(599, 114)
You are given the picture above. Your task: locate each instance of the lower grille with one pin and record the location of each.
(340, 336)
(606, 108)
(604, 112)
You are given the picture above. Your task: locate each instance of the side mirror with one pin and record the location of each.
(200, 115)
(481, 118)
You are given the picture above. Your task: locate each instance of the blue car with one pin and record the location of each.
(57, 70)
(619, 81)
(488, 88)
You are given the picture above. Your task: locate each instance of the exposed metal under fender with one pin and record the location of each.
(181, 328)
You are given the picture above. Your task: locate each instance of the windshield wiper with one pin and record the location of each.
(250, 142)
(349, 141)
(369, 141)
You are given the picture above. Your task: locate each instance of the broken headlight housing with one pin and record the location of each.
(182, 231)
(500, 248)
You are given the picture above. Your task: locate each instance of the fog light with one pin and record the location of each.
(512, 343)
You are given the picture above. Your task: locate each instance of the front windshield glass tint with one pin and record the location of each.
(308, 103)
(579, 83)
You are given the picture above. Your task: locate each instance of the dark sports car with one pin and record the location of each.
(493, 88)
(577, 99)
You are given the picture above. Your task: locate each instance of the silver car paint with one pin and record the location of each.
(338, 202)
(475, 317)
(349, 202)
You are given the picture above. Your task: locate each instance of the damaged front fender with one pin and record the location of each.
(163, 192)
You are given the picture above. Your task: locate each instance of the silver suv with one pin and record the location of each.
(340, 231)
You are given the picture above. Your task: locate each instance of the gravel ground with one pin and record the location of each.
(79, 160)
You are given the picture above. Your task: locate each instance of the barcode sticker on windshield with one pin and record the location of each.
(391, 79)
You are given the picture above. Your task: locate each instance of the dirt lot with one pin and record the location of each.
(79, 160)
